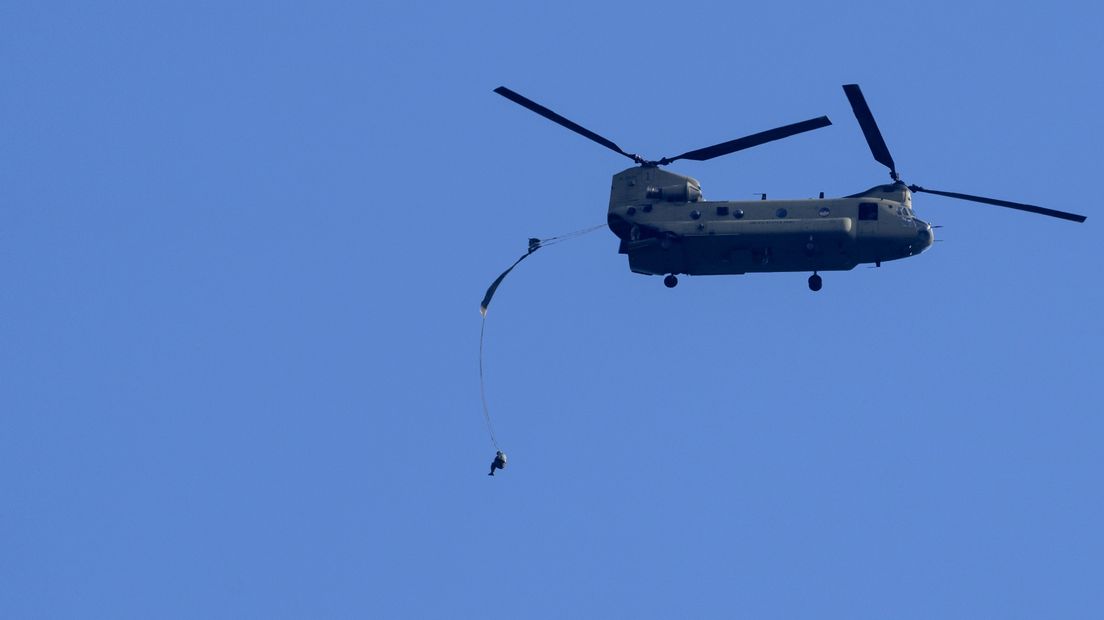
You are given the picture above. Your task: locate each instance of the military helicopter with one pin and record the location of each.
(666, 227)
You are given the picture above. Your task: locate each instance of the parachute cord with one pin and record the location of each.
(534, 245)
(482, 388)
(570, 235)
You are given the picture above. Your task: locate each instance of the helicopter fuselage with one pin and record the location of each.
(666, 227)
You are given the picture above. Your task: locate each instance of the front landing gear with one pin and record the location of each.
(670, 281)
(815, 282)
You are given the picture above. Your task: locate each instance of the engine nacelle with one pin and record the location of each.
(682, 192)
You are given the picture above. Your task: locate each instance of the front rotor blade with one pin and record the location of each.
(559, 120)
(1073, 217)
(747, 142)
(870, 128)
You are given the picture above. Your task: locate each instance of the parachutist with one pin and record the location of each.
(498, 463)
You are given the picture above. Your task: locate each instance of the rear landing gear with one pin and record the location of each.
(815, 282)
(670, 281)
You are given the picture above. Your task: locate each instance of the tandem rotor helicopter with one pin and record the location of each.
(667, 228)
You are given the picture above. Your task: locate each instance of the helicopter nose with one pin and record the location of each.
(925, 236)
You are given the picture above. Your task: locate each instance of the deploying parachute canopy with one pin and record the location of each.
(534, 245)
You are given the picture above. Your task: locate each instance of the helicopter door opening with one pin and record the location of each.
(868, 218)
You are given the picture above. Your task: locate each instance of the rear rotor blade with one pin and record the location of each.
(559, 120)
(1073, 217)
(870, 128)
(747, 142)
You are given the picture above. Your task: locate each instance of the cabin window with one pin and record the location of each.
(738, 213)
(695, 214)
(722, 210)
(868, 211)
(647, 208)
(780, 213)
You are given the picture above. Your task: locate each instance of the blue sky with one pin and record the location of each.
(242, 248)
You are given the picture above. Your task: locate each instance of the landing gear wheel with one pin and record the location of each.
(815, 282)
(670, 281)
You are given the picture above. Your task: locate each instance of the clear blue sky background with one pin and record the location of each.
(242, 247)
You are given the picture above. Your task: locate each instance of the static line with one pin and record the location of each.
(482, 388)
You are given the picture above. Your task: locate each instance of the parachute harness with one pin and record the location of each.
(534, 245)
